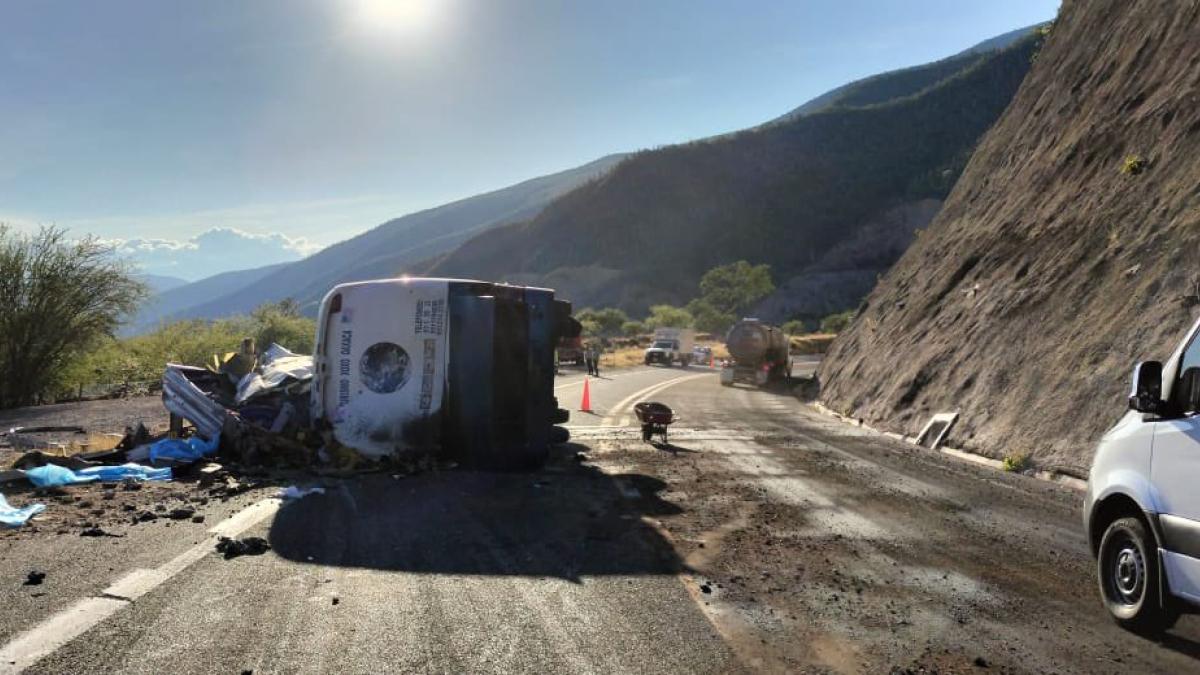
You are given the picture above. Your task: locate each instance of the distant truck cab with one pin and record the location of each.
(460, 369)
(671, 345)
(570, 350)
(759, 353)
(1142, 509)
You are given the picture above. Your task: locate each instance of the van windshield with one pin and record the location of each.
(664, 344)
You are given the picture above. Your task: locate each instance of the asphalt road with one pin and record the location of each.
(765, 537)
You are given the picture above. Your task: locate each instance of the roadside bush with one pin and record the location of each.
(1133, 165)
(61, 298)
(608, 321)
(633, 328)
(794, 327)
(1016, 462)
(191, 342)
(836, 323)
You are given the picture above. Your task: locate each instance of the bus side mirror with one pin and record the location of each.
(1146, 395)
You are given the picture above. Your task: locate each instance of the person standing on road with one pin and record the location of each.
(589, 358)
(597, 351)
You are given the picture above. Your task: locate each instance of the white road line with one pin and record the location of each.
(576, 383)
(57, 630)
(648, 391)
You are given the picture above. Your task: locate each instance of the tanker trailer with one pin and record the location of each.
(759, 354)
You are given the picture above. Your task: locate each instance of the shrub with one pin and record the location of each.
(1016, 462)
(836, 323)
(794, 327)
(1133, 165)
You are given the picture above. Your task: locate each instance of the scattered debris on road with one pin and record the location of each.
(293, 492)
(233, 548)
(34, 578)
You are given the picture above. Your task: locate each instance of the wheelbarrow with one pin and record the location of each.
(655, 418)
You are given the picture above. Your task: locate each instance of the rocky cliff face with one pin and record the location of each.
(1068, 250)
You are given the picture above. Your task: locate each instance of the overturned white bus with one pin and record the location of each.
(463, 369)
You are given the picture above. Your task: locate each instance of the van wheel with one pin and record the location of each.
(1128, 572)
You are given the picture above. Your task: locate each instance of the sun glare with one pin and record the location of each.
(395, 17)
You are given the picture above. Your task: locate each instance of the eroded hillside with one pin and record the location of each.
(1050, 269)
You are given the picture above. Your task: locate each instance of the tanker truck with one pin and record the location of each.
(759, 354)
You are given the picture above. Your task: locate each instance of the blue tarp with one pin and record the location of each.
(14, 517)
(186, 450)
(136, 471)
(52, 475)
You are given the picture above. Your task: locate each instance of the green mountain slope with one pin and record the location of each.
(783, 194)
(906, 81)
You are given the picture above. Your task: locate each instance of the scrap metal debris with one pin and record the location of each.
(233, 548)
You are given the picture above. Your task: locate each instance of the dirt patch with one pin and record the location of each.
(816, 548)
(100, 419)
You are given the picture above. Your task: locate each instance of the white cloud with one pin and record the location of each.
(219, 249)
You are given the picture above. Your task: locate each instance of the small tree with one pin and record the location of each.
(59, 298)
(733, 288)
(836, 323)
(708, 318)
(608, 320)
(281, 323)
(793, 327)
(668, 316)
(633, 328)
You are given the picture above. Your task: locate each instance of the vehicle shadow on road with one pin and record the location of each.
(568, 520)
(1180, 644)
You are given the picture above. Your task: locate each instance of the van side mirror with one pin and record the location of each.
(1146, 395)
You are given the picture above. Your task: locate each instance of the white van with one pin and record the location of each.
(1142, 510)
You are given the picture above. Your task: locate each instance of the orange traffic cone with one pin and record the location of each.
(586, 404)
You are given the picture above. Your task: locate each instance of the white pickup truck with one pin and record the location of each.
(671, 345)
(1142, 510)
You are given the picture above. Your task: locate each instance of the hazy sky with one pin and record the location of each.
(162, 119)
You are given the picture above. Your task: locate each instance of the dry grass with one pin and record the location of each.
(813, 343)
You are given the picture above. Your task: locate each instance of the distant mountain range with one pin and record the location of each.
(158, 283)
(387, 250)
(635, 229)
